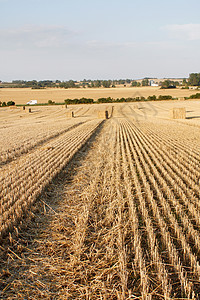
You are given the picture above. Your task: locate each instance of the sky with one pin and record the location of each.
(104, 39)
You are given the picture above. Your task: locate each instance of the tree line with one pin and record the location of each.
(193, 80)
(34, 84)
(117, 100)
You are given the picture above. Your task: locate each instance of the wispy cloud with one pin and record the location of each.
(189, 32)
(36, 36)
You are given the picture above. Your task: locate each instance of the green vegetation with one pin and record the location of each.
(169, 84)
(9, 103)
(118, 100)
(194, 79)
(79, 101)
(105, 100)
(50, 102)
(164, 97)
(151, 98)
(196, 96)
(34, 84)
(106, 83)
(135, 83)
(67, 84)
(145, 82)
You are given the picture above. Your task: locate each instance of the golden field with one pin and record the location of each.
(23, 95)
(95, 208)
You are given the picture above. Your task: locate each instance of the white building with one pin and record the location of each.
(152, 83)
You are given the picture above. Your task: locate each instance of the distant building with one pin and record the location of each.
(152, 83)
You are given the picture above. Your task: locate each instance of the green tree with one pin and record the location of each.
(184, 82)
(128, 81)
(151, 98)
(196, 96)
(10, 103)
(145, 82)
(121, 81)
(97, 83)
(194, 79)
(168, 84)
(134, 83)
(106, 83)
(50, 102)
(164, 97)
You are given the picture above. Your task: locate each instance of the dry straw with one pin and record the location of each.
(70, 114)
(103, 114)
(178, 113)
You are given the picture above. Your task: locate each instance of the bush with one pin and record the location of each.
(37, 88)
(50, 102)
(105, 100)
(79, 101)
(134, 83)
(164, 97)
(10, 103)
(196, 96)
(151, 98)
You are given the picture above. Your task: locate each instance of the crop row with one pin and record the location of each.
(152, 176)
(137, 232)
(23, 139)
(23, 183)
(133, 234)
(127, 225)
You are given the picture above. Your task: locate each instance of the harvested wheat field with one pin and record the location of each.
(23, 95)
(96, 208)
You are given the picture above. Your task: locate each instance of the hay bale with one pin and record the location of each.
(112, 110)
(181, 98)
(103, 114)
(178, 113)
(64, 106)
(23, 108)
(13, 107)
(29, 110)
(70, 114)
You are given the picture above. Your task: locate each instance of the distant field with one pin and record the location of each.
(21, 96)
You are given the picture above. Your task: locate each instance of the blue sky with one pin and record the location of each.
(45, 39)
